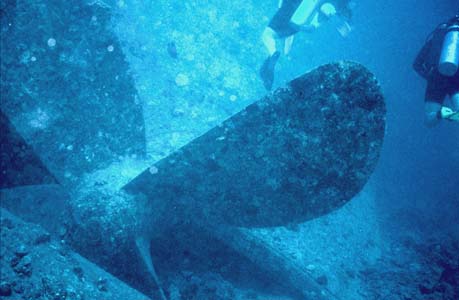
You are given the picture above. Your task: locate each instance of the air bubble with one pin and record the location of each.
(153, 170)
(182, 79)
(51, 42)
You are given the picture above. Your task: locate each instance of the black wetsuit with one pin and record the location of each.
(426, 65)
(280, 23)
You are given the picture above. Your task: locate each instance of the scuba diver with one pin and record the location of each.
(294, 16)
(438, 63)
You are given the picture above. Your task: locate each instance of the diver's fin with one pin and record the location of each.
(143, 246)
(18, 162)
(267, 70)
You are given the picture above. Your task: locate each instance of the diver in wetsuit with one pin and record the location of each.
(292, 17)
(438, 63)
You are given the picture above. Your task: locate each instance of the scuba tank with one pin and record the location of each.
(449, 57)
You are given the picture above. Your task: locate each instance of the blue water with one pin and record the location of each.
(192, 65)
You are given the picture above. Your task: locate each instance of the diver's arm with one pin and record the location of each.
(419, 64)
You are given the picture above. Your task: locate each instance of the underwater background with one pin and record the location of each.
(101, 90)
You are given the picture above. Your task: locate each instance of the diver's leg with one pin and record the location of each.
(267, 69)
(269, 40)
(288, 44)
(434, 97)
(431, 110)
